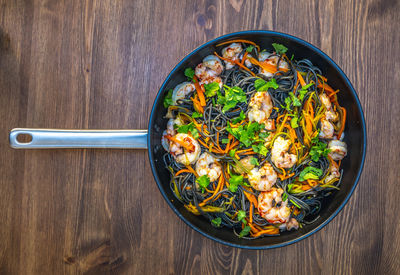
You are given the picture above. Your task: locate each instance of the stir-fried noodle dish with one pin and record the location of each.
(254, 139)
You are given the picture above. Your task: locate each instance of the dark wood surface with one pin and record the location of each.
(99, 64)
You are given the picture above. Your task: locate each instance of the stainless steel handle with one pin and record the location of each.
(57, 138)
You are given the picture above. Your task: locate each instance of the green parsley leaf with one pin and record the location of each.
(318, 149)
(279, 48)
(232, 97)
(168, 99)
(263, 135)
(225, 140)
(294, 122)
(241, 215)
(295, 100)
(189, 73)
(216, 222)
(234, 182)
(211, 89)
(254, 162)
(246, 134)
(260, 149)
(288, 102)
(203, 182)
(284, 196)
(240, 118)
(188, 128)
(310, 173)
(304, 90)
(245, 231)
(232, 153)
(249, 48)
(260, 85)
(196, 115)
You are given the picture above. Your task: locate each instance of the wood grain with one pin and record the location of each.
(99, 64)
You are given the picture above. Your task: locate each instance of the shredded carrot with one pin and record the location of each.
(326, 88)
(189, 147)
(219, 186)
(199, 92)
(301, 79)
(251, 197)
(239, 41)
(197, 105)
(191, 170)
(244, 57)
(244, 67)
(182, 171)
(267, 66)
(251, 213)
(270, 231)
(343, 123)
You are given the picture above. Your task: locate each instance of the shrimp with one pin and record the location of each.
(181, 91)
(329, 113)
(273, 60)
(260, 109)
(170, 131)
(187, 154)
(279, 155)
(333, 174)
(262, 179)
(208, 165)
(272, 208)
(338, 149)
(292, 224)
(327, 129)
(211, 67)
(231, 52)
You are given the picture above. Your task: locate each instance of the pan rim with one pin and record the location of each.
(313, 48)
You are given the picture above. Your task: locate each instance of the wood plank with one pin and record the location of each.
(99, 64)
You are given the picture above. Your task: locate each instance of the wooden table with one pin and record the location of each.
(99, 64)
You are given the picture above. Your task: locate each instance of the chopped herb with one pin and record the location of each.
(246, 134)
(189, 73)
(289, 187)
(168, 99)
(263, 135)
(249, 48)
(245, 231)
(310, 173)
(240, 118)
(188, 128)
(234, 182)
(232, 97)
(318, 149)
(261, 85)
(232, 153)
(241, 215)
(260, 149)
(279, 48)
(292, 57)
(294, 122)
(254, 162)
(284, 196)
(225, 140)
(203, 182)
(196, 115)
(216, 222)
(211, 89)
(295, 100)
(304, 90)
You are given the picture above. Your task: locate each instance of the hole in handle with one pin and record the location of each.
(24, 138)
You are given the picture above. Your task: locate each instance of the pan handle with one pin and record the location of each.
(57, 138)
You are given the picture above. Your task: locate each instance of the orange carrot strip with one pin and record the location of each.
(251, 213)
(343, 122)
(182, 171)
(244, 67)
(239, 41)
(270, 231)
(197, 105)
(219, 186)
(251, 198)
(301, 79)
(244, 57)
(191, 170)
(199, 91)
(326, 88)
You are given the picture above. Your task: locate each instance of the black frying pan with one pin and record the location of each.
(355, 137)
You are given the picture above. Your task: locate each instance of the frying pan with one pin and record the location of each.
(355, 137)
